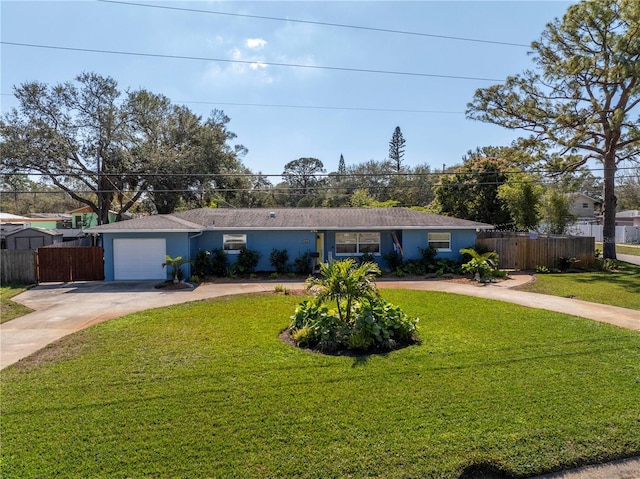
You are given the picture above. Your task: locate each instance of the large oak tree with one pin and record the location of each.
(106, 150)
(470, 191)
(182, 157)
(584, 95)
(302, 180)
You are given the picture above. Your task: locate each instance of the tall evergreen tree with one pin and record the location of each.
(342, 168)
(584, 98)
(396, 148)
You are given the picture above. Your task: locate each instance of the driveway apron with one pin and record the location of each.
(64, 308)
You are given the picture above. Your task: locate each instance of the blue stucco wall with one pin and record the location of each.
(414, 239)
(177, 244)
(295, 242)
(386, 246)
(459, 240)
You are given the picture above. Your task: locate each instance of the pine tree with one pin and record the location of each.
(342, 168)
(396, 148)
(583, 96)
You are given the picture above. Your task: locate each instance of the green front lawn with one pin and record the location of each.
(208, 390)
(623, 249)
(10, 309)
(620, 288)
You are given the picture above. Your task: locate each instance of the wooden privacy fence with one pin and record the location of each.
(526, 252)
(17, 266)
(70, 264)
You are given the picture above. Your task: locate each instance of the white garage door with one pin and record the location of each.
(139, 258)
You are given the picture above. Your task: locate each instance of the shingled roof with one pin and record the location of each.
(289, 219)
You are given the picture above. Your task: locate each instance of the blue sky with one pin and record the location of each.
(324, 113)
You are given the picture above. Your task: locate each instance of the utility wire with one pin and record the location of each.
(278, 190)
(247, 62)
(316, 175)
(305, 107)
(325, 24)
(313, 107)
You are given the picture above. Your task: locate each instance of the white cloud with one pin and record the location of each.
(248, 69)
(256, 65)
(256, 43)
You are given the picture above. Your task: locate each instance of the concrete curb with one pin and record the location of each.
(621, 469)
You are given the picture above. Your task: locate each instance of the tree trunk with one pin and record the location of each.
(105, 198)
(609, 207)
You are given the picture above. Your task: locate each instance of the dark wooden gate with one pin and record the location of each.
(81, 263)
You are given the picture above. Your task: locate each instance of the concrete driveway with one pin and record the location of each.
(63, 308)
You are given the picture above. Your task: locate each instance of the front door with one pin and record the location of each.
(320, 247)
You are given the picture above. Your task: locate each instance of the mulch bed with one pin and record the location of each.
(171, 286)
(286, 338)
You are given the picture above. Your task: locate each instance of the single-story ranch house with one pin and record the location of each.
(136, 249)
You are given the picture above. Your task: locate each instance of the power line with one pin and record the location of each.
(343, 176)
(389, 173)
(247, 62)
(292, 175)
(326, 24)
(306, 107)
(313, 107)
(277, 190)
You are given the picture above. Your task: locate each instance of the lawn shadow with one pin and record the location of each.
(484, 470)
(360, 358)
(626, 278)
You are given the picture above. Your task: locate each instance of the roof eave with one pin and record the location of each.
(292, 228)
(347, 228)
(146, 230)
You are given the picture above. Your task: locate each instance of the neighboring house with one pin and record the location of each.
(628, 218)
(136, 249)
(55, 220)
(583, 206)
(19, 236)
(74, 237)
(85, 217)
(10, 218)
(49, 221)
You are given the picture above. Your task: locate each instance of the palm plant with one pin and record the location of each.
(176, 267)
(345, 282)
(362, 320)
(480, 264)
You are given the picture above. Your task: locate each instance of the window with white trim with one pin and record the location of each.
(233, 243)
(440, 241)
(357, 243)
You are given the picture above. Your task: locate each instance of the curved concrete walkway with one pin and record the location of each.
(627, 258)
(61, 309)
